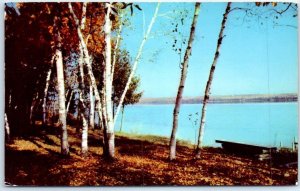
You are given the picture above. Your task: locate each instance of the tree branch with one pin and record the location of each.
(282, 11)
(136, 61)
(116, 48)
(83, 16)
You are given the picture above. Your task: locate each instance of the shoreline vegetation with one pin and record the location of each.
(141, 160)
(251, 98)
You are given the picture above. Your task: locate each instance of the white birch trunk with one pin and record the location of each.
(84, 141)
(84, 135)
(83, 15)
(209, 82)
(69, 102)
(182, 83)
(7, 129)
(116, 48)
(136, 61)
(83, 58)
(83, 108)
(92, 109)
(46, 92)
(61, 98)
(109, 136)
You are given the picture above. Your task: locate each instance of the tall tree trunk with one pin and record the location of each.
(83, 58)
(83, 109)
(92, 109)
(46, 91)
(182, 82)
(61, 97)
(209, 82)
(109, 150)
(84, 135)
(136, 61)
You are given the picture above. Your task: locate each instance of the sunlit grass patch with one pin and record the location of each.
(23, 145)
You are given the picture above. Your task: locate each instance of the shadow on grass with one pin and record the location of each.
(30, 168)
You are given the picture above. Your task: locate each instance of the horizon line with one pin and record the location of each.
(276, 94)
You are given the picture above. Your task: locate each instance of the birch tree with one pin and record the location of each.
(83, 109)
(104, 102)
(106, 98)
(136, 61)
(209, 81)
(109, 136)
(92, 109)
(61, 96)
(188, 51)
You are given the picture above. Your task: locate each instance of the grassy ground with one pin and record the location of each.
(140, 160)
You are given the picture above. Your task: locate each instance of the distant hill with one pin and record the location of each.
(252, 98)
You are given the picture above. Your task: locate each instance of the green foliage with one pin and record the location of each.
(122, 72)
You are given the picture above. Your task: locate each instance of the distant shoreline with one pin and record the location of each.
(254, 98)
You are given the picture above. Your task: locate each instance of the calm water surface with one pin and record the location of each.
(265, 124)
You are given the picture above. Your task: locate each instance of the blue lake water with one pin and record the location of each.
(265, 124)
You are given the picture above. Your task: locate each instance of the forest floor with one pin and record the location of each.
(140, 160)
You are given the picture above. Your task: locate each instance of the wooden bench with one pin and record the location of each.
(262, 152)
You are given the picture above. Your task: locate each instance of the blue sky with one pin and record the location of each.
(257, 56)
